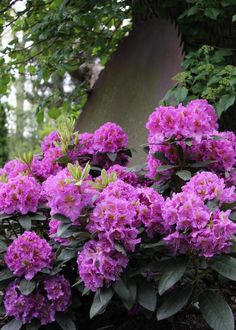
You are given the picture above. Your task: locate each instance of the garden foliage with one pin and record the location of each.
(77, 221)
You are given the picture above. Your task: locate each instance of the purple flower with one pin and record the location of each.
(209, 186)
(58, 292)
(222, 151)
(115, 220)
(99, 266)
(20, 194)
(24, 308)
(65, 197)
(191, 226)
(110, 137)
(28, 254)
(43, 168)
(124, 174)
(150, 210)
(85, 146)
(15, 167)
(51, 296)
(49, 141)
(196, 120)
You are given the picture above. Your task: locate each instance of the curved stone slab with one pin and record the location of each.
(135, 79)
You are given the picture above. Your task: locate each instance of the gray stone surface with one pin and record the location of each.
(135, 79)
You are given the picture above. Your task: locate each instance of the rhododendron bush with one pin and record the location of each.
(77, 222)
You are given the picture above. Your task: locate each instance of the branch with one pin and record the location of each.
(8, 7)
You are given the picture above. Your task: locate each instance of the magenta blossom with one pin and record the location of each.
(110, 137)
(20, 194)
(99, 266)
(28, 254)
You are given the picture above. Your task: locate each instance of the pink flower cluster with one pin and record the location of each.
(51, 296)
(195, 120)
(50, 141)
(110, 137)
(99, 266)
(65, 197)
(20, 194)
(85, 146)
(208, 186)
(220, 148)
(120, 210)
(124, 174)
(14, 168)
(28, 254)
(150, 210)
(43, 167)
(189, 223)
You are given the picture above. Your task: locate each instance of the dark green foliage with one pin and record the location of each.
(205, 75)
(65, 39)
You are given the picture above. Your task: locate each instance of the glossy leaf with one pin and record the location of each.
(65, 322)
(27, 287)
(172, 274)
(216, 311)
(13, 325)
(174, 302)
(225, 266)
(147, 296)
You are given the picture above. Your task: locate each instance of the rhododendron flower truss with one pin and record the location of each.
(76, 224)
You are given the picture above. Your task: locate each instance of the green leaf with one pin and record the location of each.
(147, 296)
(5, 79)
(202, 164)
(212, 204)
(232, 217)
(40, 116)
(32, 69)
(225, 266)
(61, 218)
(172, 274)
(120, 249)
(225, 102)
(228, 206)
(13, 325)
(121, 289)
(192, 11)
(234, 18)
(66, 254)
(216, 311)
(62, 228)
(25, 222)
(34, 325)
(65, 322)
(3, 245)
(27, 287)
(174, 302)
(216, 137)
(64, 160)
(5, 275)
(112, 156)
(100, 301)
(164, 168)
(212, 13)
(184, 175)
(160, 155)
(181, 94)
(54, 113)
(146, 148)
